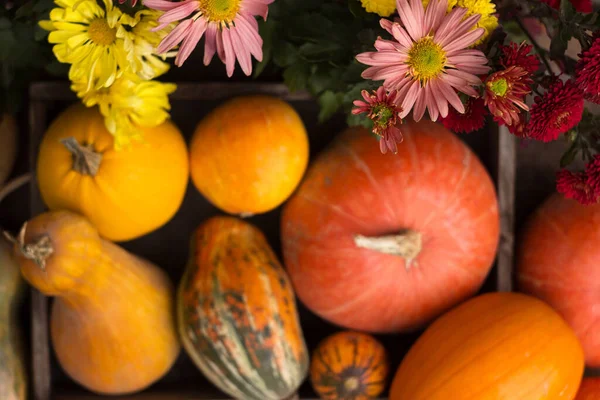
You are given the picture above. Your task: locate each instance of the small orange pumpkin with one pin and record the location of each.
(249, 154)
(125, 193)
(349, 366)
(497, 346)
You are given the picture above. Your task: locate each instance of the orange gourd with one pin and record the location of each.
(385, 243)
(589, 389)
(249, 154)
(558, 261)
(497, 346)
(237, 313)
(125, 193)
(112, 325)
(349, 366)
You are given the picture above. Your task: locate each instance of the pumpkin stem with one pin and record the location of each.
(38, 252)
(351, 384)
(407, 244)
(86, 160)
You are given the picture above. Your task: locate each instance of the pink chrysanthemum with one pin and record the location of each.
(472, 120)
(428, 60)
(505, 91)
(229, 28)
(587, 71)
(383, 110)
(556, 112)
(515, 55)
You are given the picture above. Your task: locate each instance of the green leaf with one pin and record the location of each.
(567, 11)
(5, 24)
(296, 76)
(330, 103)
(320, 78)
(357, 9)
(285, 54)
(359, 120)
(317, 52)
(7, 41)
(570, 154)
(25, 11)
(559, 43)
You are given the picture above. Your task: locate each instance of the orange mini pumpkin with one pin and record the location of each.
(589, 389)
(249, 154)
(349, 366)
(125, 193)
(497, 346)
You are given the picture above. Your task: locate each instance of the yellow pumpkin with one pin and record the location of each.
(249, 155)
(112, 324)
(125, 193)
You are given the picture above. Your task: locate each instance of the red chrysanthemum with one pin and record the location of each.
(472, 120)
(517, 55)
(556, 112)
(382, 108)
(580, 5)
(574, 185)
(505, 91)
(592, 172)
(587, 71)
(518, 129)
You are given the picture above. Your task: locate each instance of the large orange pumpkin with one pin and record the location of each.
(125, 193)
(385, 243)
(497, 346)
(249, 154)
(589, 389)
(558, 260)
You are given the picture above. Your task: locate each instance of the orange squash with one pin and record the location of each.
(349, 366)
(237, 313)
(589, 389)
(386, 243)
(558, 261)
(249, 154)
(112, 323)
(497, 346)
(126, 193)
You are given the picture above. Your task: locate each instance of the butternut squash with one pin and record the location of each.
(112, 322)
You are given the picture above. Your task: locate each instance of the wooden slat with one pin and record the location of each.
(506, 173)
(60, 91)
(40, 342)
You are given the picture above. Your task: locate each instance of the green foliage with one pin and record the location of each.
(24, 53)
(314, 42)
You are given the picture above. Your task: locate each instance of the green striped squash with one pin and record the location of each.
(237, 313)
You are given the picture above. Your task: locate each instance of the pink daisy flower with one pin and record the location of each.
(428, 61)
(382, 108)
(229, 28)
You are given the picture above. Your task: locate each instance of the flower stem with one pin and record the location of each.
(538, 48)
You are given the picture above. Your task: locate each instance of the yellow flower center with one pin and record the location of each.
(426, 59)
(499, 87)
(220, 10)
(101, 33)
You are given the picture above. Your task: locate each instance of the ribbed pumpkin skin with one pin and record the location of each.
(497, 346)
(435, 186)
(112, 322)
(249, 154)
(237, 313)
(589, 389)
(13, 376)
(349, 366)
(558, 261)
(136, 191)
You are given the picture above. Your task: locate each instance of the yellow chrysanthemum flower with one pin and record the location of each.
(85, 36)
(384, 8)
(129, 103)
(486, 8)
(140, 44)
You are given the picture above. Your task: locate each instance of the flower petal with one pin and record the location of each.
(465, 40)
(191, 41)
(401, 36)
(210, 42)
(175, 37)
(409, 19)
(162, 5)
(250, 36)
(242, 53)
(229, 53)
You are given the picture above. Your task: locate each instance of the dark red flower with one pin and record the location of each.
(580, 5)
(517, 55)
(574, 185)
(518, 129)
(556, 112)
(382, 108)
(472, 120)
(505, 91)
(592, 171)
(587, 71)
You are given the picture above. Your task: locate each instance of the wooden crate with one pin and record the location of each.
(168, 247)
